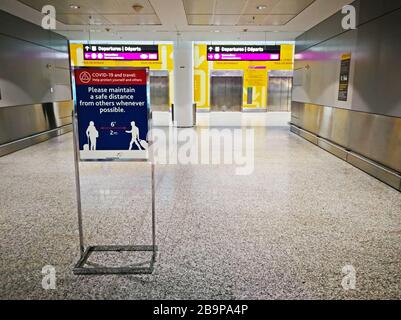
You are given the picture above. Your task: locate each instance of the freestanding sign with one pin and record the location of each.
(111, 123)
(112, 110)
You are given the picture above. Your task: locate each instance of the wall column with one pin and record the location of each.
(184, 84)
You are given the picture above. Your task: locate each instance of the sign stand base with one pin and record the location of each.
(81, 269)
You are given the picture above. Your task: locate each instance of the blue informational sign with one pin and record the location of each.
(112, 112)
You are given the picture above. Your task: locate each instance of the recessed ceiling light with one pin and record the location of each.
(74, 6)
(137, 7)
(261, 7)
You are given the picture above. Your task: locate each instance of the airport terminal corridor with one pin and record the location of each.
(199, 158)
(283, 232)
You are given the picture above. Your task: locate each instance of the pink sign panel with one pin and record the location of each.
(244, 56)
(121, 56)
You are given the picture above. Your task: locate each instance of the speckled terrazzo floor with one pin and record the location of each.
(284, 232)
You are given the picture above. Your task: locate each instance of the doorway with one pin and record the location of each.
(159, 91)
(226, 91)
(279, 95)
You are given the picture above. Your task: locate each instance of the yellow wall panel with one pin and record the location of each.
(165, 62)
(255, 75)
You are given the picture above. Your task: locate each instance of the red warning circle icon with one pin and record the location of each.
(85, 77)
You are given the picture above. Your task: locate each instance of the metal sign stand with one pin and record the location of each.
(86, 251)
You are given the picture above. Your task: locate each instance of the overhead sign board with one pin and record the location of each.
(243, 53)
(121, 52)
(112, 112)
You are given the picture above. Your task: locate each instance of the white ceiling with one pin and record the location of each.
(192, 20)
(100, 12)
(243, 12)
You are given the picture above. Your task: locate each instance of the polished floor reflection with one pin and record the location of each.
(286, 231)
